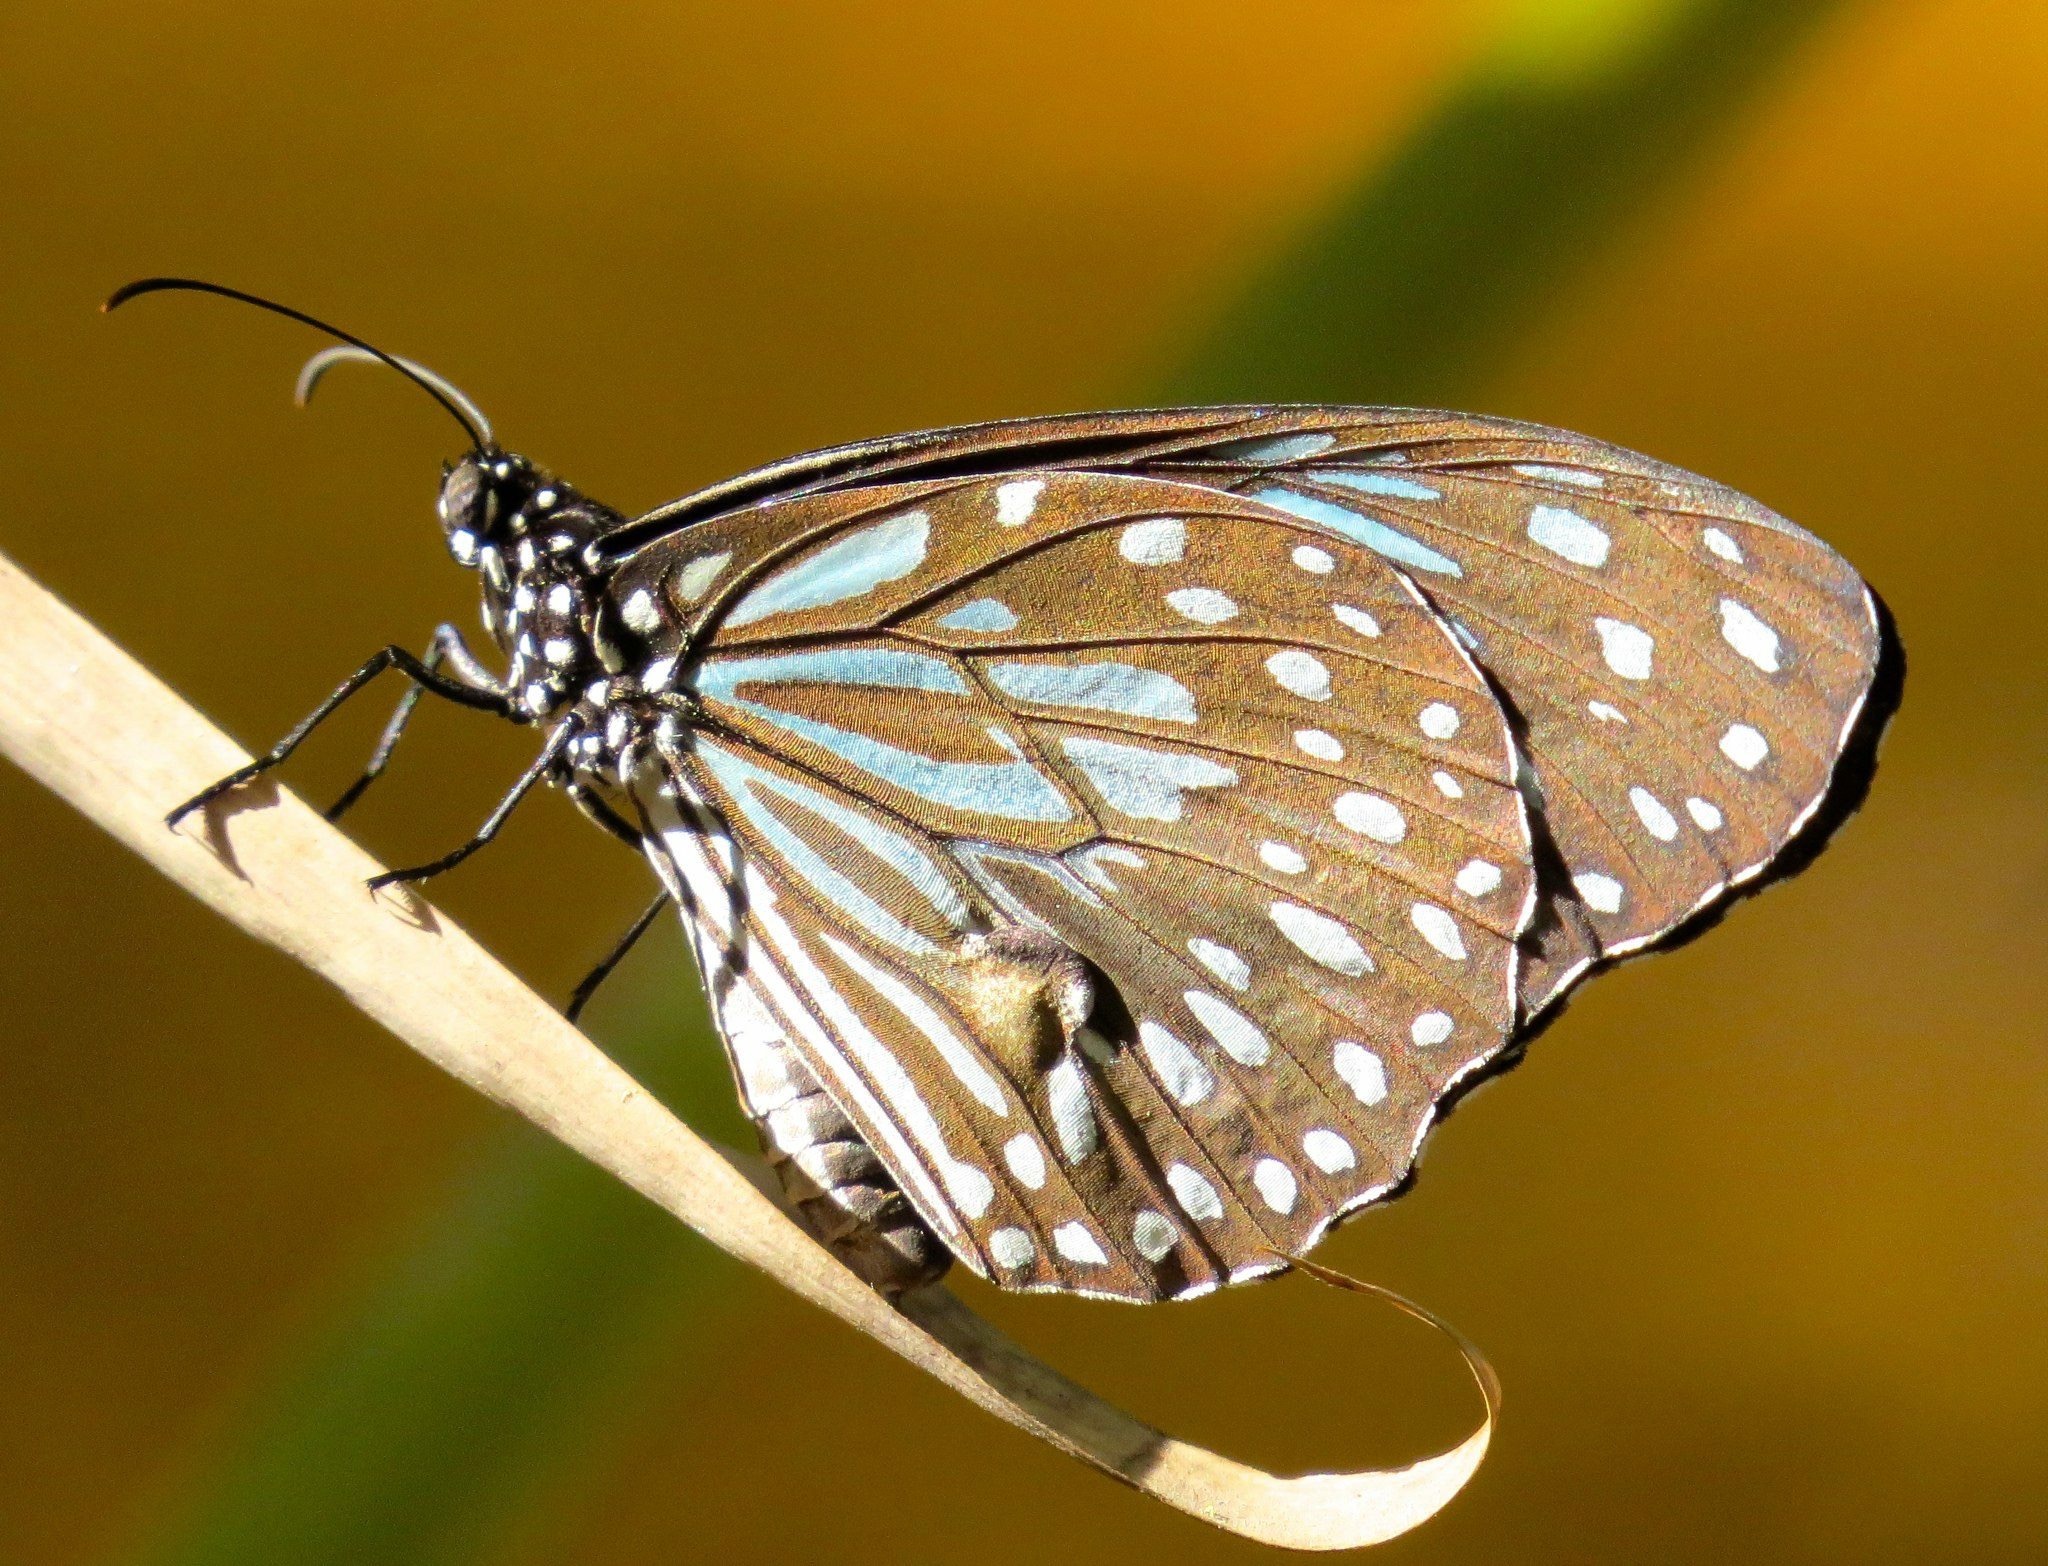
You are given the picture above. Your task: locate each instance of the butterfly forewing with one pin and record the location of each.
(1135, 863)
(1686, 668)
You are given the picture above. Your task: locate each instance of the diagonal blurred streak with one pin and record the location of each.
(430, 1414)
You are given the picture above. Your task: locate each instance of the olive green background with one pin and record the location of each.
(1756, 1234)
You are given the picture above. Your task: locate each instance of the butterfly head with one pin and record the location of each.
(527, 534)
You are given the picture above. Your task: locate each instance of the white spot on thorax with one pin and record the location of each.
(639, 612)
(1569, 536)
(1017, 500)
(1439, 929)
(1627, 648)
(1657, 821)
(1602, 893)
(1160, 541)
(1203, 605)
(1371, 816)
(1301, 673)
(559, 650)
(1361, 1070)
(1276, 1184)
(1749, 636)
(562, 598)
(1744, 746)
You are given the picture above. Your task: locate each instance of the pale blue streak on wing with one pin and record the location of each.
(1368, 481)
(1099, 687)
(1276, 448)
(1359, 528)
(1144, 784)
(845, 568)
(984, 614)
(745, 782)
(1014, 790)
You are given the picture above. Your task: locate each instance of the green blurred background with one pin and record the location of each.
(1755, 1236)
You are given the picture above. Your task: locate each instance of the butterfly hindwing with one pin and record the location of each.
(1136, 864)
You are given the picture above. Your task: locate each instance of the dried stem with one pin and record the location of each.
(84, 718)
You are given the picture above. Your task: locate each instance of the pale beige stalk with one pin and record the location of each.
(85, 719)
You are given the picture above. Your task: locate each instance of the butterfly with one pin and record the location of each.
(1110, 841)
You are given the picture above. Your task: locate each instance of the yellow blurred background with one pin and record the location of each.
(1756, 1234)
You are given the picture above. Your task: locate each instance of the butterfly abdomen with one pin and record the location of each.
(832, 1179)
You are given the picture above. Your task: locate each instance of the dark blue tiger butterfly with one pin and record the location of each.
(1108, 840)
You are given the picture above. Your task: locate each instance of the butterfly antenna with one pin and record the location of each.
(459, 407)
(315, 370)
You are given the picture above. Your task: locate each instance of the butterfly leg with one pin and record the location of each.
(446, 647)
(545, 762)
(613, 958)
(489, 700)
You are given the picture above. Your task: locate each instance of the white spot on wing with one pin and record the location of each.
(1276, 1184)
(1361, 1070)
(1073, 1241)
(1226, 964)
(1073, 1119)
(1235, 1034)
(1026, 1160)
(1371, 816)
(1721, 544)
(1606, 712)
(693, 580)
(639, 613)
(1317, 562)
(1360, 528)
(1016, 500)
(1280, 856)
(1328, 1151)
(1355, 619)
(1203, 605)
(1159, 541)
(1602, 893)
(1179, 1071)
(1657, 821)
(1143, 784)
(1705, 815)
(1097, 687)
(1439, 720)
(1744, 746)
(1543, 470)
(1011, 1248)
(1627, 648)
(1439, 929)
(1431, 1029)
(1447, 785)
(1314, 742)
(1197, 1197)
(1478, 878)
(1569, 536)
(1153, 1234)
(1749, 636)
(1301, 673)
(1321, 938)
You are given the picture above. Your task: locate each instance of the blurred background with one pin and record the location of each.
(1754, 1236)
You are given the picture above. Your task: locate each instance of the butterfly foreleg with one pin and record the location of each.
(549, 757)
(597, 975)
(391, 657)
(446, 647)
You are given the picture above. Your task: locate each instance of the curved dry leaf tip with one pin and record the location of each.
(89, 722)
